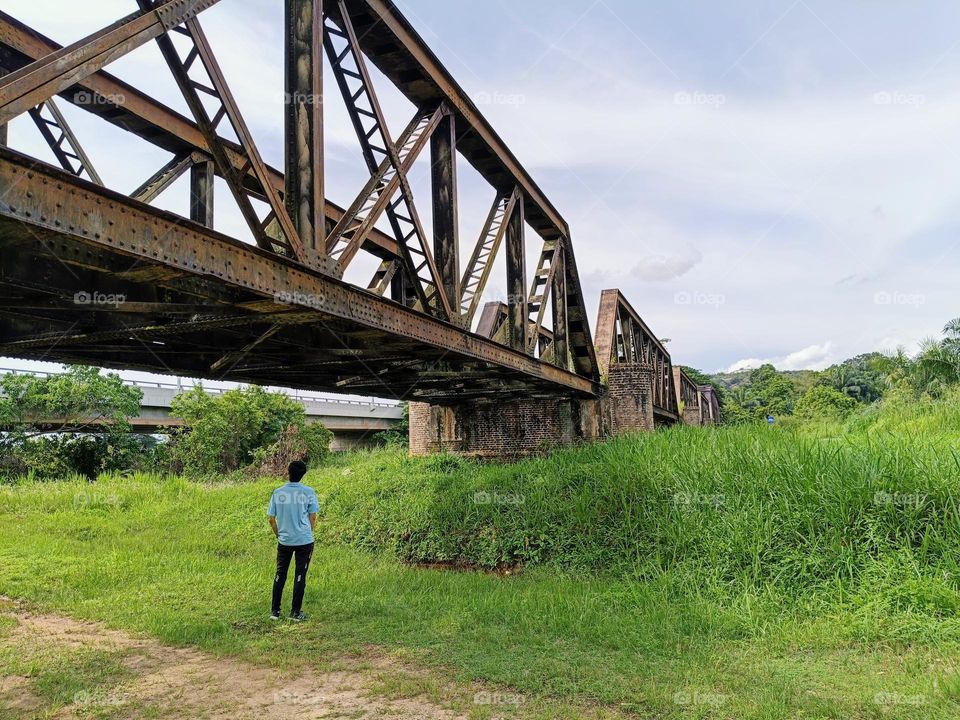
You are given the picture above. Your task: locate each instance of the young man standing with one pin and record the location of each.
(293, 517)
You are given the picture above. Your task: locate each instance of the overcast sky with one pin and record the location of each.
(766, 180)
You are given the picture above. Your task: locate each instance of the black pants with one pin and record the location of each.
(303, 554)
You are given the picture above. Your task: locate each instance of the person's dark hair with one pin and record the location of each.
(297, 469)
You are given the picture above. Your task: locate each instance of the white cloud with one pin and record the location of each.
(814, 357)
(661, 267)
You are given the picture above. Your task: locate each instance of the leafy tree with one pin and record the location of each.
(774, 393)
(92, 411)
(862, 377)
(822, 401)
(241, 428)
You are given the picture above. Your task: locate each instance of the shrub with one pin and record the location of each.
(239, 429)
(822, 401)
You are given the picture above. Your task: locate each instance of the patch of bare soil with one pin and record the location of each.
(169, 682)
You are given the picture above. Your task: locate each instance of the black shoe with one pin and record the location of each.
(298, 616)
(275, 615)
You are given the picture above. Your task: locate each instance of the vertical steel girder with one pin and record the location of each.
(41, 80)
(218, 90)
(477, 274)
(201, 193)
(304, 192)
(56, 131)
(560, 348)
(516, 281)
(443, 180)
(387, 166)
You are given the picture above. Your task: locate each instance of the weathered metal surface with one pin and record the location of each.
(110, 244)
(303, 165)
(63, 143)
(282, 308)
(29, 86)
(131, 109)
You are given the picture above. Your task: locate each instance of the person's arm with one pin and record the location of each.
(272, 515)
(313, 507)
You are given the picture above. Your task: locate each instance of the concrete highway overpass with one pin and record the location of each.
(352, 422)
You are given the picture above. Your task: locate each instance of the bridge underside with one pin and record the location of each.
(92, 276)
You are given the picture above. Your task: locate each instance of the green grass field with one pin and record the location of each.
(695, 573)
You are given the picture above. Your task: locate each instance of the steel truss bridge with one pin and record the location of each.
(278, 311)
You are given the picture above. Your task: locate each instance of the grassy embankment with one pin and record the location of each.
(731, 573)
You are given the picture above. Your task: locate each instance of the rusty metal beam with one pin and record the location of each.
(163, 178)
(477, 273)
(516, 281)
(130, 109)
(402, 55)
(70, 214)
(44, 78)
(558, 296)
(62, 141)
(387, 162)
(443, 178)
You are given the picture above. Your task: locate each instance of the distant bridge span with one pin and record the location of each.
(353, 423)
(92, 275)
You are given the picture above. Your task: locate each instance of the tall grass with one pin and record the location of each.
(796, 571)
(749, 507)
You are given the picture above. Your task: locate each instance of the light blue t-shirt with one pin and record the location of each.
(291, 505)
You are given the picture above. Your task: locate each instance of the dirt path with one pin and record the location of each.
(149, 679)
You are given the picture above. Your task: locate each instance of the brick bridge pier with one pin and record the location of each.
(641, 391)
